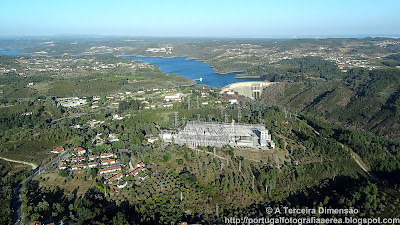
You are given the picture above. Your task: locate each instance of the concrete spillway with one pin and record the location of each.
(250, 89)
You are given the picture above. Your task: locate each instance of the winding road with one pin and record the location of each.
(16, 198)
(34, 166)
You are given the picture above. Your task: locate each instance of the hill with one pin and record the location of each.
(363, 99)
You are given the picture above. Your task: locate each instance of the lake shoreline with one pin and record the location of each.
(194, 69)
(250, 76)
(186, 58)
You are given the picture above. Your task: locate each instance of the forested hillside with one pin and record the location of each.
(362, 99)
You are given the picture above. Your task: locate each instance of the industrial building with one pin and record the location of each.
(206, 134)
(71, 102)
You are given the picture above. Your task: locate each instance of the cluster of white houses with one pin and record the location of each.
(83, 161)
(119, 176)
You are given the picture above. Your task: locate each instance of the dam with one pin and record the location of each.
(250, 89)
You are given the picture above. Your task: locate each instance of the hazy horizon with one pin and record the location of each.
(272, 37)
(214, 19)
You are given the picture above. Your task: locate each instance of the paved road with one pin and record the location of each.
(16, 199)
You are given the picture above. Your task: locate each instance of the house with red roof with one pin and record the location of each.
(106, 155)
(108, 162)
(78, 159)
(62, 165)
(58, 150)
(110, 169)
(111, 179)
(135, 172)
(78, 166)
(80, 150)
(93, 164)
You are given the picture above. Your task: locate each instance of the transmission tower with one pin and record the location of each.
(277, 161)
(197, 101)
(285, 111)
(239, 113)
(226, 118)
(188, 102)
(176, 118)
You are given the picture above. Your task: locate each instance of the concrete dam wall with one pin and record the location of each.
(250, 89)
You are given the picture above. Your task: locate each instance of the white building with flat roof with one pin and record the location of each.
(71, 102)
(173, 97)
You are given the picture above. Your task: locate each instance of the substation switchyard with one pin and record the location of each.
(213, 134)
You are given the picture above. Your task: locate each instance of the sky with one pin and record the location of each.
(205, 18)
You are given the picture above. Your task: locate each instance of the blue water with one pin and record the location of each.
(193, 69)
(12, 51)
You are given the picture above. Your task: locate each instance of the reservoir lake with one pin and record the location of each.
(12, 51)
(189, 68)
(194, 69)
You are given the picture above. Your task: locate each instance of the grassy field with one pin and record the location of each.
(10, 108)
(262, 156)
(37, 152)
(18, 91)
(118, 78)
(78, 183)
(77, 88)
